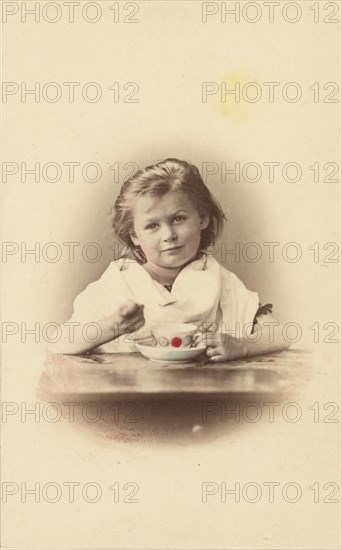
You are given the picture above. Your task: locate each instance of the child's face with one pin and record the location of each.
(168, 229)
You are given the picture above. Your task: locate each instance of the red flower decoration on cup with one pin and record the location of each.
(176, 342)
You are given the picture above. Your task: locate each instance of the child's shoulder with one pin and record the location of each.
(123, 264)
(119, 265)
(212, 263)
(229, 279)
(113, 273)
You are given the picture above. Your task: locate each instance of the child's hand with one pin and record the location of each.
(130, 317)
(222, 347)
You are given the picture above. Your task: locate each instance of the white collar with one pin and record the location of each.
(141, 282)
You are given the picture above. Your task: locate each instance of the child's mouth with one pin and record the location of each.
(173, 249)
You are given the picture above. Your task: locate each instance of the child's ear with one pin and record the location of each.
(205, 219)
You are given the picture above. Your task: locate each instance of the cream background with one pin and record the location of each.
(169, 54)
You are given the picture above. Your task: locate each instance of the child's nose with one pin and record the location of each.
(169, 233)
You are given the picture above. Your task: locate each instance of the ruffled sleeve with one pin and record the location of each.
(238, 306)
(262, 310)
(102, 297)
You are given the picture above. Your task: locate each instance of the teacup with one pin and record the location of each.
(173, 335)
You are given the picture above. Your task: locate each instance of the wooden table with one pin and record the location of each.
(136, 398)
(113, 374)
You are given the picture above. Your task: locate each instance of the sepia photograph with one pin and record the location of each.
(171, 279)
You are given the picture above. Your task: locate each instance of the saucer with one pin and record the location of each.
(170, 355)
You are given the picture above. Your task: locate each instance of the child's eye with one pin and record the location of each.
(179, 218)
(151, 226)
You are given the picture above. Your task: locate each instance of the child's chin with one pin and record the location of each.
(177, 262)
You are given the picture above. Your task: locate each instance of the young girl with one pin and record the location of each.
(167, 218)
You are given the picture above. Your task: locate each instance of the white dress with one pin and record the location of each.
(203, 292)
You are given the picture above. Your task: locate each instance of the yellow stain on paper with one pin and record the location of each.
(235, 107)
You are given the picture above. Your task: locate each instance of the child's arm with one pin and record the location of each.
(128, 318)
(267, 338)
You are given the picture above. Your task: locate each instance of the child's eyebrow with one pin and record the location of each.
(178, 212)
(171, 216)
